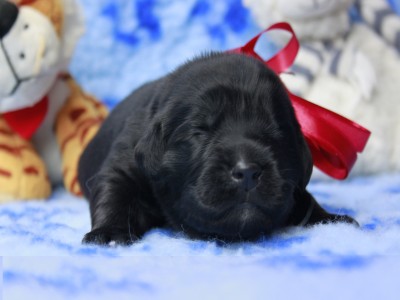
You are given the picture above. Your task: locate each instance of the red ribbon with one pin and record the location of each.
(334, 141)
(26, 121)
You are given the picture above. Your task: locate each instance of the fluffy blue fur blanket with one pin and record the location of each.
(127, 43)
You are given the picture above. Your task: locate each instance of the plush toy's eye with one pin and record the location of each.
(22, 55)
(26, 26)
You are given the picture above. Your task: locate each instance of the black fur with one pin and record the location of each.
(213, 149)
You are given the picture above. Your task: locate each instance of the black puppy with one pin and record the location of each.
(213, 149)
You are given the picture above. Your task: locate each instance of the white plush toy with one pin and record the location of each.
(352, 68)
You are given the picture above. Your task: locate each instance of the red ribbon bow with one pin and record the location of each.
(334, 141)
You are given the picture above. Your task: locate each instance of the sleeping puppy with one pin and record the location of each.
(213, 149)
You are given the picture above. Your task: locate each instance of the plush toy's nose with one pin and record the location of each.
(8, 15)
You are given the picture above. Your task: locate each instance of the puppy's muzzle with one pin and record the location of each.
(246, 175)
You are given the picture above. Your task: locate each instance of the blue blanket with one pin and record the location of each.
(127, 43)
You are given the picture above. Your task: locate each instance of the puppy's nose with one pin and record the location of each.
(8, 15)
(246, 175)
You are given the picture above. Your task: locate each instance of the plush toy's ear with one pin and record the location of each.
(73, 29)
(306, 17)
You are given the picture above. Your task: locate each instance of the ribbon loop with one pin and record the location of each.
(334, 141)
(284, 58)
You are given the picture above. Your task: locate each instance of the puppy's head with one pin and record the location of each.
(226, 154)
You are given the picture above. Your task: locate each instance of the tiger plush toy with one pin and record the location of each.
(46, 119)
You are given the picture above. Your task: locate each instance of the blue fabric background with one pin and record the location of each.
(127, 43)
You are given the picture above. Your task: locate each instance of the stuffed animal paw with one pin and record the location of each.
(22, 172)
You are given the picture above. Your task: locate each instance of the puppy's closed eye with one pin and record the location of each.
(201, 130)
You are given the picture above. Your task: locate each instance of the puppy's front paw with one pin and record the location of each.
(341, 219)
(109, 237)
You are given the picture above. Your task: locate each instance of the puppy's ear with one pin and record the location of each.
(150, 149)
